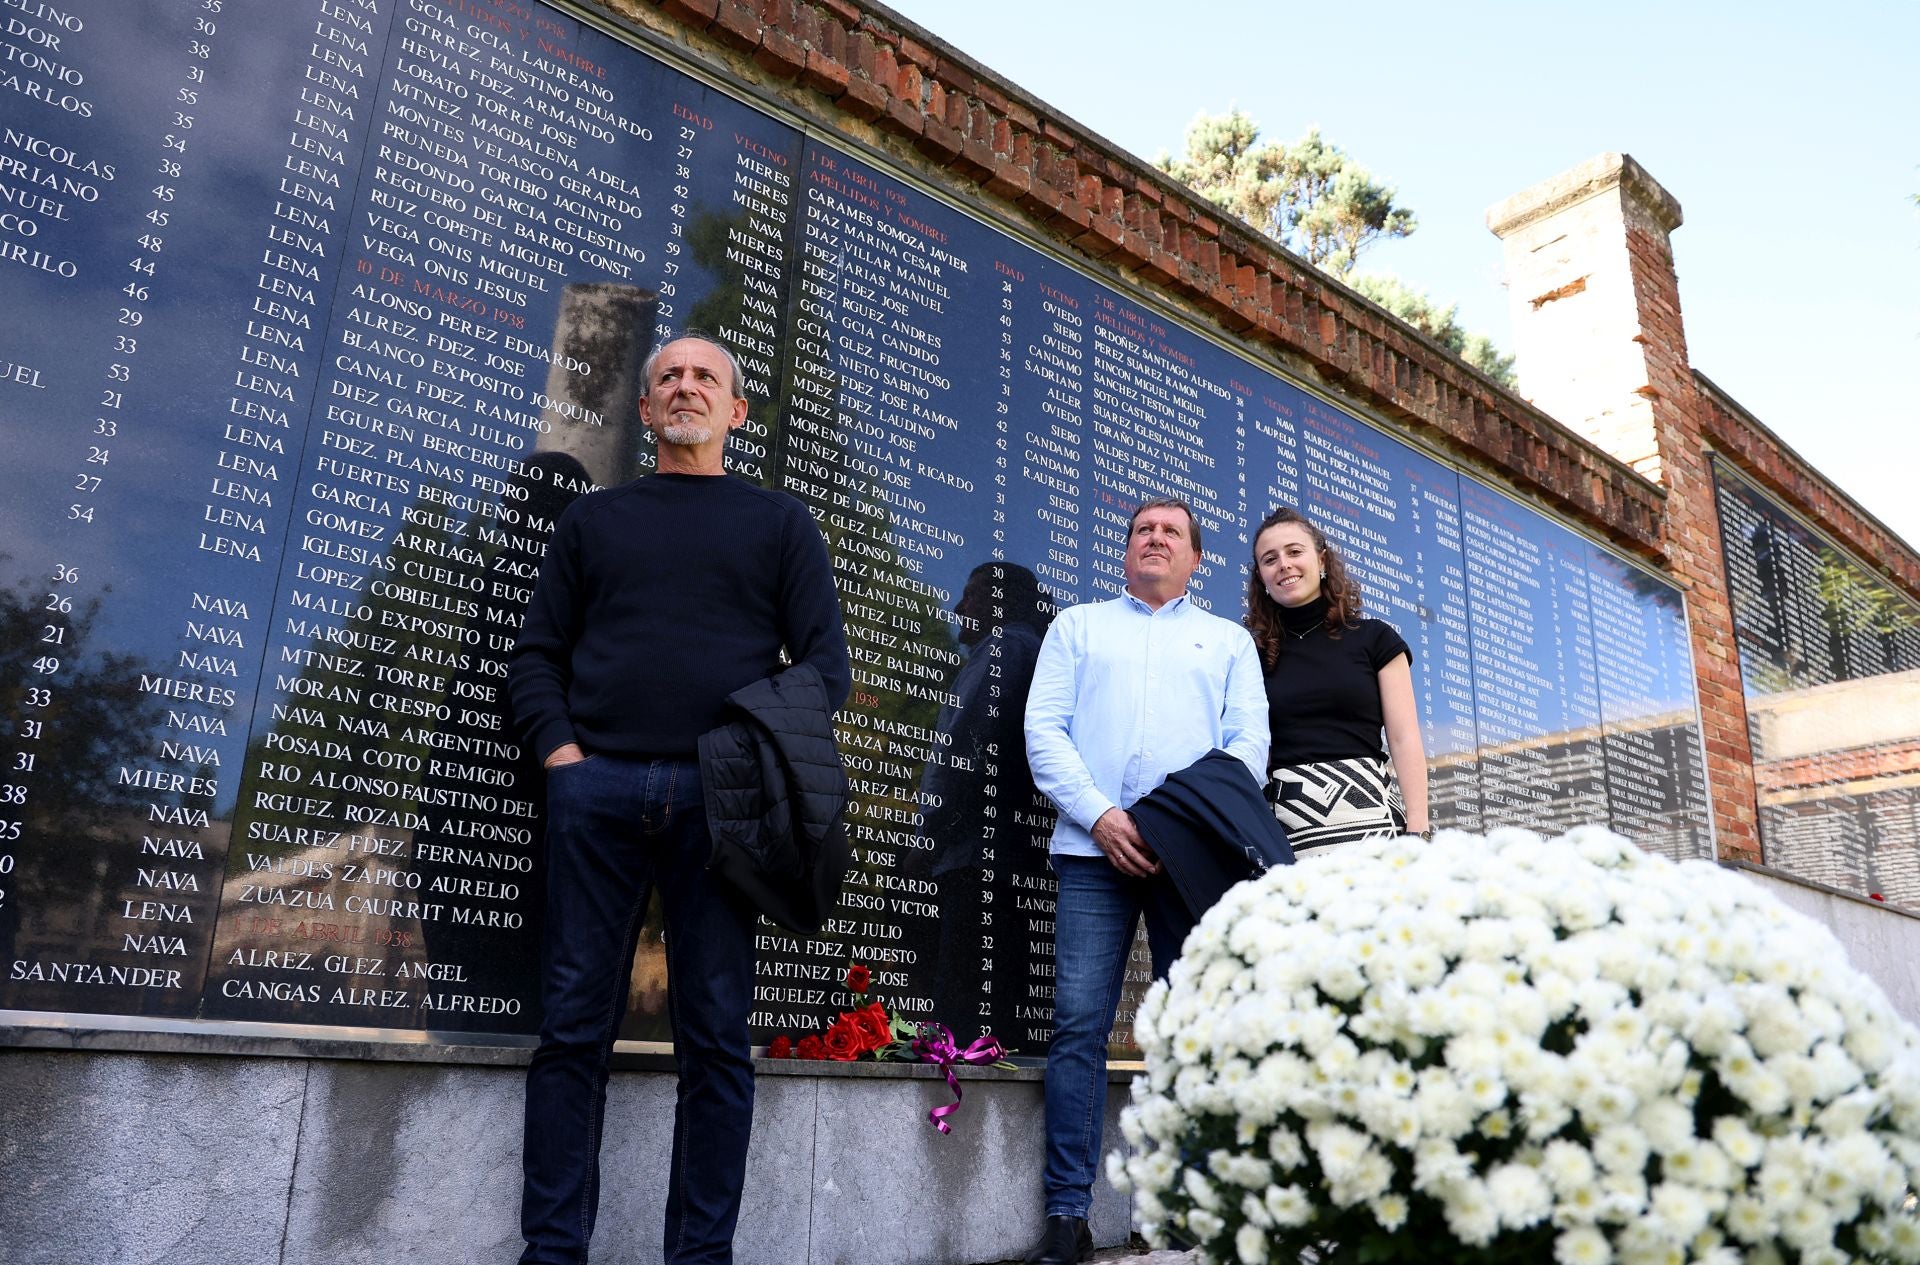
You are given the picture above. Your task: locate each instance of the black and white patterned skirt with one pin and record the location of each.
(1332, 802)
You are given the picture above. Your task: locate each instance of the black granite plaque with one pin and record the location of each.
(1830, 665)
(320, 313)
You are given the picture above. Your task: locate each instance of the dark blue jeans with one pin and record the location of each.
(1095, 913)
(617, 829)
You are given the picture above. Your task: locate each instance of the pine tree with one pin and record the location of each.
(1313, 198)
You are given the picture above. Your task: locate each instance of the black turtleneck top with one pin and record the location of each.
(1323, 693)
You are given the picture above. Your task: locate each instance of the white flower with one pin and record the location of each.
(1283, 1145)
(1367, 1180)
(1868, 1167)
(1869, 1042)
(1200, 1190)
(1605, 1102)
(1438, 1166)
(1341, 979)
(1390, 1211)
(1159, 1119)
(1241, 1170)
(1582, 1246)
(1580, 1205)
(1676, 1212)
(1288, 1205)
(1834, 1072)
(1421, 966)
(1567, 1165)
(1668, 1126)
(1154, 1172)
(1749, 1220)
(1445, 1109)
(1520, 1195)
(1773, 1021)
(1903, 1236)
(1193, 1088)
(1205, 1225)
(1538, 1027)
(1624, 1195)
(1470, 1213)
(1701, 1163)
(1484, 1088)
(1742, 1145)
(1338, 1148)
(1806, 1224)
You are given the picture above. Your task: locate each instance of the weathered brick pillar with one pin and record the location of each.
(1601, 347)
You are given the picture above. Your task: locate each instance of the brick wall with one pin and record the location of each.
(1691, 529)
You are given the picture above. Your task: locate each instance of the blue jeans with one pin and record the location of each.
(1095, 912)
(616, 829)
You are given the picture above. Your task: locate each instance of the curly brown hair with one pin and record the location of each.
(1341, 590)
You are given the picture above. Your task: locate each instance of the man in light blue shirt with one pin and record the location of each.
(1126, 691)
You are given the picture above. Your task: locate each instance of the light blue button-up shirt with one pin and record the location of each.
(1124, 695)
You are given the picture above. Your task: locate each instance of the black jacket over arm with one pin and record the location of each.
(775, 794)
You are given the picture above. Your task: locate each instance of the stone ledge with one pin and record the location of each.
(33, 1031)
(1788, 876)
(235, 1161)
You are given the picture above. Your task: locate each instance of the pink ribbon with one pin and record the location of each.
(935, 1045)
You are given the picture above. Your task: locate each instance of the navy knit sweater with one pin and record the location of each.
(659, 598)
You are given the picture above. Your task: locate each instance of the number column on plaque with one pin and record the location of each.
(159, 910)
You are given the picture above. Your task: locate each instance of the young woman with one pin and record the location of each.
(1334, 681)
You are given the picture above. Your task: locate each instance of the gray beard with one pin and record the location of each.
(686, 434)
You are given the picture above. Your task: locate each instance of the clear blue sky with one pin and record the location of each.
(1790, 135)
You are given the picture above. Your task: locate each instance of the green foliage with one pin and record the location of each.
(1316, 201)
(1311, 196)
(1425, 314)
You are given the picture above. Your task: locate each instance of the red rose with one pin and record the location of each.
(810, 1047)
(870, 1021)
(782, 1048)
(858, 977)
(843, 1041)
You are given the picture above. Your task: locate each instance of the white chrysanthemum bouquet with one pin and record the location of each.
(1515, 1049)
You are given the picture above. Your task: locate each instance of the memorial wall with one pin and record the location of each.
(319, 313)
(1830, 664)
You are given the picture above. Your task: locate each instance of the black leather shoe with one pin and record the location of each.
(1067, 1241)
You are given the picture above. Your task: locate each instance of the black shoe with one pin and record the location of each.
(1067, 1241)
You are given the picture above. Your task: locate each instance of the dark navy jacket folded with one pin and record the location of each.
(1211, 827)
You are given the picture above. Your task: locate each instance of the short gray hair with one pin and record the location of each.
(1169, 503)
(698, 336)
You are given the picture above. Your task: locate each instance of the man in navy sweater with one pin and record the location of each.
(657, 599)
